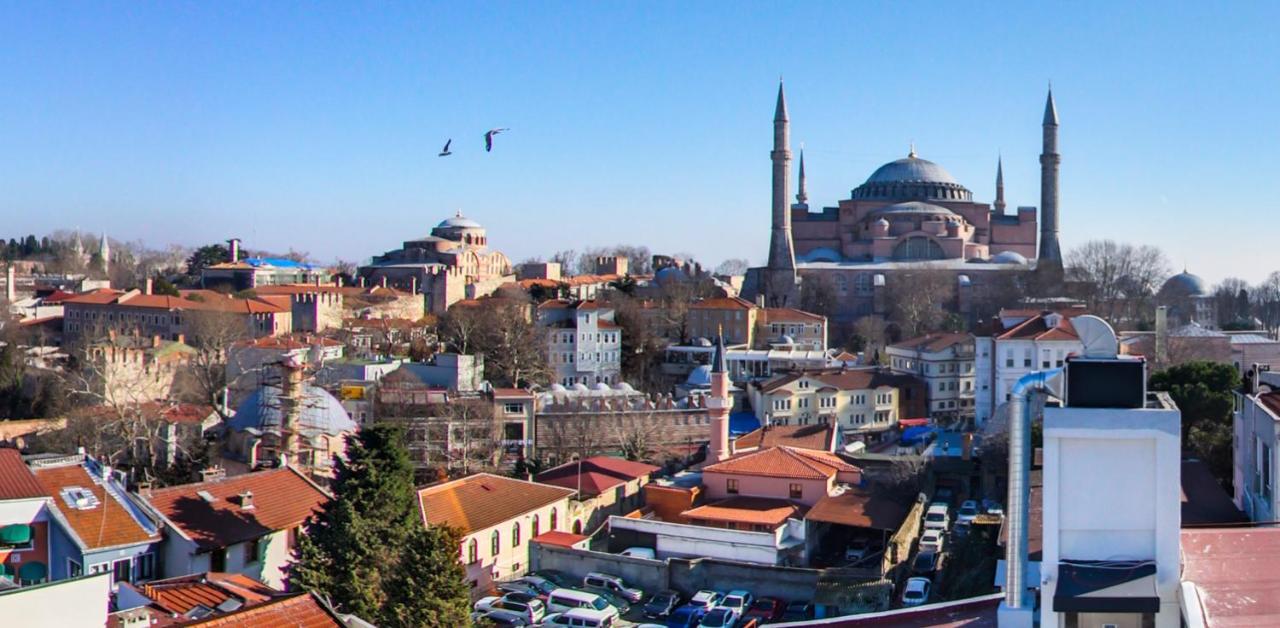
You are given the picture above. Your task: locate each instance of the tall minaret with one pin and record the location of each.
(780, 281)
(999, 204)
(1049, 160)
(719, 403)
(104, 251)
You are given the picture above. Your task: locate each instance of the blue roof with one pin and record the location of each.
(742, 422)
(916, 434)
(321, 412)
(278, 262)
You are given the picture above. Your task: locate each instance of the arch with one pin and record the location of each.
(577, 527)
(473, 551)
(515, 534)
(495, 543)
(553, 520)
(533, 532)
(917, 247)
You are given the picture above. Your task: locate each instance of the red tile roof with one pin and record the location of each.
(511, 393)
(300, 611)
(220, 303)
(107, 524)
(16, 479)
(788, 462)
(858, 508)
(776, 314)
(561, 539)
(933, 343)
(723, 303)
(282, 499)
(819, 437)
(752, 510)
(184, 593)
(1037, 328)
(595, 475)
(483, 500)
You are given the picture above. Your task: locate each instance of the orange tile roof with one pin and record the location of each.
(300, 611)
(561, 539)
(752, 510)
(107, 524)
(819, 437)
(723, 303)
(595, 475)
(1036, 328)
(483, 500)
(933, 342)
(511, 393)
(788, 462)
(858, 508)
(282, 499)
(184, 593)
(16, 479)
(221, 303)
(791, 314)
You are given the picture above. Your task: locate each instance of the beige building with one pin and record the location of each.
(93, 315)
(865, 403)
(745, 323)
(496, 516)
(131, 370)
(945, 361)
(603, 486)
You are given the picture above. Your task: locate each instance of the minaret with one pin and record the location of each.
(780, 274)
(1049, 160)
(718, 405)
(802, 196)
(999, 204)
(104, 251)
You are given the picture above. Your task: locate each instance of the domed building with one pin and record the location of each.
(909, 213)
(256, 433)
(452, 263)
(1189, 300)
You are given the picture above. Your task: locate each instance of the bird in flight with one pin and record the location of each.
(444, 152)
(488, 138)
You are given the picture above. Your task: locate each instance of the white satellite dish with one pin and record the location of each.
(1098, 337)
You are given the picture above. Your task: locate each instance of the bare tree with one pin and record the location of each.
(1266, 301)
(918, 298)
(818, 295)
(872, 331)
(515, 349)
(733, 267)
(474, 437)
(1119, 280)
(461, 328)
(211, 334)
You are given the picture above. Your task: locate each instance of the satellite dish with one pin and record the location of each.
(1098, 337)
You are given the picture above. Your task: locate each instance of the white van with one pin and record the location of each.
(565, 600)
(581, 618)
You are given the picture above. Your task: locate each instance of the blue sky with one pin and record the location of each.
(316, 125)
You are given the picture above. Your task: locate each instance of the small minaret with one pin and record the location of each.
(719, 403)
(104, 252)
(999, 204)
(1049, 160)
(802, 195)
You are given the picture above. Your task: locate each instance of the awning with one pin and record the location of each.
(1106, 587)
(15, 534)
(33, 571)
(913, 422)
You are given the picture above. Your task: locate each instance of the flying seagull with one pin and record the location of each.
(444, 152)
(488, 138)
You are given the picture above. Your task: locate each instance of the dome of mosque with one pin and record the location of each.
(458, 221)
(264, 410)
(700, 376)
(1009, 257)
(912, 178)
(911, 169)
(1186, 284)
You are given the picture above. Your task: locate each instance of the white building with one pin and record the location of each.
(584, 344)
(945, 362)
(1256, 424)
(1022, 341)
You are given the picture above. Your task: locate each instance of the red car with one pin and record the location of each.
(766, 609)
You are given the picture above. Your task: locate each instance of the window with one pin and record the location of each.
(473, 551)
(145, 566)
(804, 384)
(513, 408)
(218, 560)
(1264, 470)
(121, 570)
(495, 544)
(797, 491)
(1026, 358)
(534, 529)
(251, 550)
(731, 486)
(75, 569)
(515, 534)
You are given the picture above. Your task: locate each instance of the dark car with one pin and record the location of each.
(766, 609)
(687, 616)
(500, 619)
(661, 604)
(798, 611)
(559, 578)
(611, 597)
(926, 563)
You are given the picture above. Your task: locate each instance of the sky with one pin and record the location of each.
(315, 126)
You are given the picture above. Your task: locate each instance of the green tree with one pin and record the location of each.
(367, 550)
(206, 256)
(161, 286)
(1203, 392)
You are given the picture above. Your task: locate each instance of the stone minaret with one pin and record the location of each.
(719, 403)
(1049, 160)
(104, 251)
(802, 195)
(999, 204)
(780, 275)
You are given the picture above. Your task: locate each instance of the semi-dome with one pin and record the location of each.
(821, 254)
(321, 412)
(1009, 257)
(1186, 284)
(912, 178)
(913, 208)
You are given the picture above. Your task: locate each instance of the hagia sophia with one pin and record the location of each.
(909, 213)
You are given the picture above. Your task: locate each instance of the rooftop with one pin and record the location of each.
(16, 479)
(1232, 572)
(789, 462)
(484, 500)
(595, 475)
(818, 437)
(932, 343)
(299, 611)
(98, 517)
(560, 539)
(748, 510)
(281, 499)
(858, 508)
(181, 595)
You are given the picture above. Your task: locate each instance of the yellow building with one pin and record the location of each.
(858, 402)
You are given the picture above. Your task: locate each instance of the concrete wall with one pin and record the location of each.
(80, 602)
(650, 575)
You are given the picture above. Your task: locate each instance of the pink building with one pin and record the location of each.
(802, 476)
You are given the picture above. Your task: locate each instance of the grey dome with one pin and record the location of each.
(459, 221)
(1009, 257)
(321, 412)
(911, 170)
(700, 376)
(912, 208)
(1186, 284)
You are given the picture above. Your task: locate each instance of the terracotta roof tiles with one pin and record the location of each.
(16, 479)
(107, 523)
(934, 342)
(483, 500)
(299, 611)
(184, 593)
(789, 462)
(817, 437)
(750, 510)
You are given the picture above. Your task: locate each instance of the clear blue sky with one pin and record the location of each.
(315, 125)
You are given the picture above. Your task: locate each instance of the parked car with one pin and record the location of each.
(580, 618)
(614, 584)
(517, 586)
(527, 606)
(661, 604)
(687, 616)
(766, 609)
(499, 618)
(858, 549)
(992, 507)
(563, 600)
(916, 592)
(961, 529)
(968, 511)
(932, 540)
(706, 598)
(639, 552)
(719, 617)
(615, 600)
(926, 563)
(798, 610)
(937, 518)
(737, 601)
(944, 495)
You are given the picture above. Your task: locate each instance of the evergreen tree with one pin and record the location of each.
(366, 551)
(1203, 391)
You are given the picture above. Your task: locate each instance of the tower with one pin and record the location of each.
(780, 273)
(718, 405)
(1049, 160)
(104, 252)
(802, 196)
(999, 204)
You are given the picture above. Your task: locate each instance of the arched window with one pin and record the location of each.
(917, 248)
(534, 532)
(577, 527)
(495, 545)
(515, 534)
(553, 519)
(473, 551)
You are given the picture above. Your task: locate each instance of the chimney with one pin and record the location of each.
(11, 284)
(246, 500)
(413, 285)
(1162, 334)
(182, 339)
(210, 474)
(146, 286)
(233, 248)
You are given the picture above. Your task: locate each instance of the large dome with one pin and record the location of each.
(321, 412)
(1186, 284)
(912, 178)
(458, 221)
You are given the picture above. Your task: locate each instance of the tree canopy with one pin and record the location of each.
(1203, 392)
